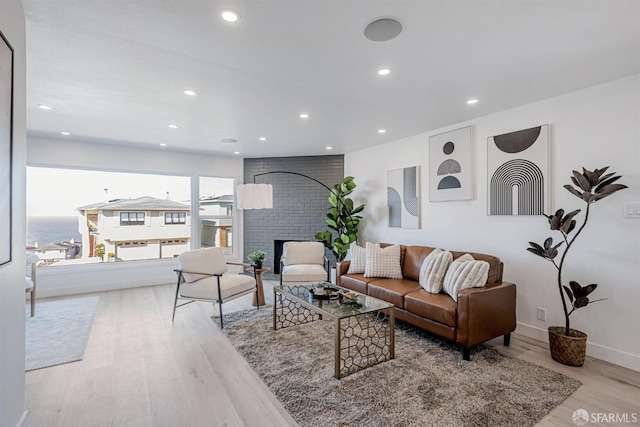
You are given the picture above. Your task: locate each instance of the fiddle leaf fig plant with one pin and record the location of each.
(342, 217)
(590, 187)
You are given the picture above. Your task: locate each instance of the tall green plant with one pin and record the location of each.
(343, 218)
(590, 186)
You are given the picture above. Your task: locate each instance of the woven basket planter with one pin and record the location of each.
(568, 350)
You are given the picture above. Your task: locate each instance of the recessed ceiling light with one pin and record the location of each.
(172, 126)
(45, 107)
(229, 15)
(229, 140)
(329, 148)
(163, 145)
(472, 101)
(65, 133)
(304, 116)
(384, 71)
(262, 138)
(236, 152)
(382, 130)
(190, 92)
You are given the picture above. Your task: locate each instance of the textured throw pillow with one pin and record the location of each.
(358, 258)
(383, 262)
(464, 273)
(433, 269)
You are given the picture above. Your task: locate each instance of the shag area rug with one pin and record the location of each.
(427, 384)
(59, 332)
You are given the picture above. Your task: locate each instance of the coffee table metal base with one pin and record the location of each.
(361, 341)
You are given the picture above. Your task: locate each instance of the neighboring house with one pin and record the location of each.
(142, 228)
(51, 253)
(55, 252)
(216, 229)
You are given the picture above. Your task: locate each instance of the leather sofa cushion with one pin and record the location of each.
(392, 290)
(413, 258)
(355, 282)
(439, 307)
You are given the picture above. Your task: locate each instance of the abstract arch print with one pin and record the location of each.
(403, 197)
(521, 180)
(450, 166)
(518, 170)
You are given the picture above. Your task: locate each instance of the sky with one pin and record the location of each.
(58, 192)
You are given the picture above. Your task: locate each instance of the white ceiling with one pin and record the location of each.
(114, 70)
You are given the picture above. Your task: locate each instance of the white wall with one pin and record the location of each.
(12, 25)
(72, 154)
(595, 127)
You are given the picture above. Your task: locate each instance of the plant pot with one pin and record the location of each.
(257, 265)
(568, 350)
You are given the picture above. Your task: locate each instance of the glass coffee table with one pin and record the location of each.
(363, 325)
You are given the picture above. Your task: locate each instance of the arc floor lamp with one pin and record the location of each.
(260, 196)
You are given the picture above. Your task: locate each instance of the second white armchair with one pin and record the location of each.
(303, 262)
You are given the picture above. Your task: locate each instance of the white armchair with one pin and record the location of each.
(31, 280)
(303, 262)
(203, 276)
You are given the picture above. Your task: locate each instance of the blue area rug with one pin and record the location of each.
(59, 332)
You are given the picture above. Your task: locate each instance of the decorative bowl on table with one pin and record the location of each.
(324, 293)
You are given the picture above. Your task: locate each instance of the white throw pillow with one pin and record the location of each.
(464, 273)
(433, 269)
(383, 262)
(358, 258)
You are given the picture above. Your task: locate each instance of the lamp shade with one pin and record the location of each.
(254, 196)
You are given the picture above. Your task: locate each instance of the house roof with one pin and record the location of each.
(217, 200)
(145, 203)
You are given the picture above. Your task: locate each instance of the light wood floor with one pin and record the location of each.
(140, 369)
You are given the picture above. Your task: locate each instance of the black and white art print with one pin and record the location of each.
(450, 166)
(6, 120)
(403, 197)
(518, 172)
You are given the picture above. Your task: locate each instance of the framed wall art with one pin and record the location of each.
(6, 136)
(450, 166)
(518, 172)
(403, 197)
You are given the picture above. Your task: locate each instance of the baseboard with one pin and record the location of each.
(611, 355)
(23, 420)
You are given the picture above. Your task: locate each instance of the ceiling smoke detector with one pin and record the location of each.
(383, 29)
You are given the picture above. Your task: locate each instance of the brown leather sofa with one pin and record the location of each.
(480, 314)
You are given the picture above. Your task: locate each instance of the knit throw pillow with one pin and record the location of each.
(358, 258)
(433, 269)
(383, 262)
(463, 273)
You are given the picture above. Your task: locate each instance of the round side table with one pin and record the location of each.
(258, 276)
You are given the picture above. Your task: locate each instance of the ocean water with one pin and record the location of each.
(52, 229)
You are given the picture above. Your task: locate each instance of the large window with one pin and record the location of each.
(216, 213)
(98, 216)
(131, 218)
(175, 218)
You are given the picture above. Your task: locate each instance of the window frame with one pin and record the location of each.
(128, 222)
(182, 218)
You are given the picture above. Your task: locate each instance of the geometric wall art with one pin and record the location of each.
(450, 166)
(403, 197)
(518, 172)
(6, 136)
